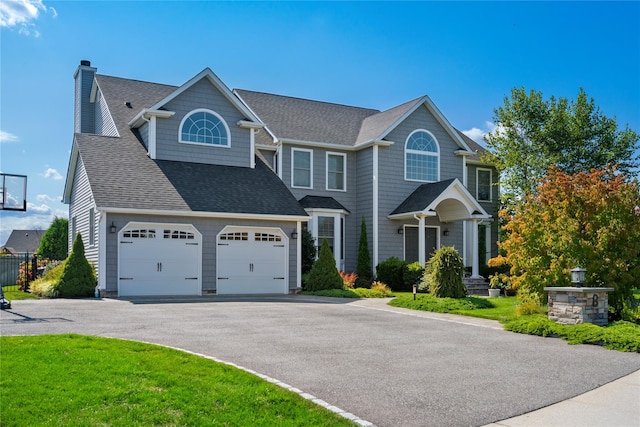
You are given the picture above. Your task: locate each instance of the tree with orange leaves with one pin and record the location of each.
(589, 219)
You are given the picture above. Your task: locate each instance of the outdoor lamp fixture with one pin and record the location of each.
(294, 234)
(446, 232)
(577, 276)
(112, 228)
(415, 290)
(401, 230)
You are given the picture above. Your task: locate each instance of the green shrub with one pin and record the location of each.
(528, 308)
(78, 278)
(412, 275)
(324, 274)
(445, 270)
(391, 272)
(380, 287)
(48, 284)
(363, 268)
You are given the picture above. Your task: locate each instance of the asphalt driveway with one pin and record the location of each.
(389, 366)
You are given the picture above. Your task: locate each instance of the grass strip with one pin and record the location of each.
(52, 380)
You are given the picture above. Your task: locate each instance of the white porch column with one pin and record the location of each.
(299, 255)
(422, 256)
(475, 265)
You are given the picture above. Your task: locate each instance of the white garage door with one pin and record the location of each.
(251, 261)
(159, 259)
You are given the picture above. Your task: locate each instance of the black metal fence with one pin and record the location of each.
(18, 270)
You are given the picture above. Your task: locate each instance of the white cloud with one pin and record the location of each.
(52, 174)
(45, 198)
(7, 137)
(478, 134)
(20, 14)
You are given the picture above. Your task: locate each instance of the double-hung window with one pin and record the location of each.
(483, 185)
(336, 171)
(301, 168)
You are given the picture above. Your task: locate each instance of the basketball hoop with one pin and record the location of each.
(13, 192)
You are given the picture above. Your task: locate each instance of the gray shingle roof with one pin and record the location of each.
(474, 146)
(320, 202)
(373, 126)
(129, 179)
(422, 197)
(121, 174)
(307, 120)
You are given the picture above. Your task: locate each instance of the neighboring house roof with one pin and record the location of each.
(449, 200)
(24, 240)
(320, 202)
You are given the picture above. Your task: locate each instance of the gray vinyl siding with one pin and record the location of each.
(345, 198)
(203, 95)
(364, 188)
(104, 124)
(209, 228)
(144, 134)
(393, 189)
(79, 206)
(84, 110)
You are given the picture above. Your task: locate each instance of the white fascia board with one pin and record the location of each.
(378, 142)
(244, 124)
(466, 195)
(193, 214)
(412, 215)
(215, 80)
(144, 115)
(425, 100)
(327, 211)
(463, 153)
(71, 172)
(479, 163)
(94, 90)
(316, 144)
(266, 147)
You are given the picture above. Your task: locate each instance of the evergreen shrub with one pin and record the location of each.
(391, 272)
(324, 274)
(444, 274)
(78, 278)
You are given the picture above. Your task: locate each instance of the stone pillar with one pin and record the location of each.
(571, 306)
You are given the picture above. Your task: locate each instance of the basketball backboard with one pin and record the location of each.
(13, 192)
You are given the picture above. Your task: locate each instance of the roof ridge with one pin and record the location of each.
(137, 80)
(373, 110)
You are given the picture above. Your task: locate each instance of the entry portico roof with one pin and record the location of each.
(449, 200)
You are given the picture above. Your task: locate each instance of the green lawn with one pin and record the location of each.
(88, 381)
(11, 292)
(501, 309)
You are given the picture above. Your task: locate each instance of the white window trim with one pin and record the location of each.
(338, 239)
(293, 150)
(206, 110)
(490, 184)
(422, 153)
(344, 171)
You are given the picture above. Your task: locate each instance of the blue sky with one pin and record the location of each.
(465, 55)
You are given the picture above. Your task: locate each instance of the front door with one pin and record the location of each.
(411, 253)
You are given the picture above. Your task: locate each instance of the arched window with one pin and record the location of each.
(204, 127)
(421, 157)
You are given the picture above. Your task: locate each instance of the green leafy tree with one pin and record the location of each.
(78, 278)
(54, 243)
(308, 251)
(533, 134)
(363, 268)
(324, 274)
(443, 274)
(589, 219)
